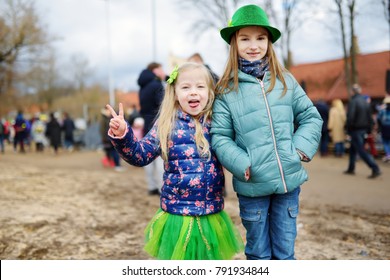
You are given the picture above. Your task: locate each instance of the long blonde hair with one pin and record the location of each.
(224, 85)
(168, 113)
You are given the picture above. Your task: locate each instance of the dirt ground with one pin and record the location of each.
(70, 207)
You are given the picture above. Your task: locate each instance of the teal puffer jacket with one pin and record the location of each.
(264, 132)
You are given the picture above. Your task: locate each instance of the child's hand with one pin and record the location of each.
(247, 174)
(117, 123)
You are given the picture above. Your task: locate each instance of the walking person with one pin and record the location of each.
(68, 128)
(191, 223)
(53, 133)
(336, 126)
(359, 124)
(263, 126)
(20, 127)
(151, 94)
(38, 129)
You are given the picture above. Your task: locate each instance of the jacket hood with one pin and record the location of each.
(146, 77)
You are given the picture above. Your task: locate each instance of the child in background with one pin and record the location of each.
(191, 223)
(263, 126)
(138, 127)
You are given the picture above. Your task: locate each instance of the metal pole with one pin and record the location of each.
(110, 87)
(154, 30)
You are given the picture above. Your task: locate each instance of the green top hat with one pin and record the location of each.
(249, 15)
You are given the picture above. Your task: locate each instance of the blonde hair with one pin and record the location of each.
(168, 113)
(224, 85)
(338, 104)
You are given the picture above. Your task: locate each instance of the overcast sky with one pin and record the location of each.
(81, 26)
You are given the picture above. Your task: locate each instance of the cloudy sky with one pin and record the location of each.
(81, 27)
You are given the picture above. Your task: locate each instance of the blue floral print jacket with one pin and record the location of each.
(193, 185)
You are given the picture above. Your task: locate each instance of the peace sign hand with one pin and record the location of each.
(117, 122)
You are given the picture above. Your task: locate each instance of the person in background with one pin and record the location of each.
(191, 223)
(38, 129)
(197, 58)
(68, 128)
(263, 127)
(20, 132)
(359, 123)
(370, 137)
(134, 113)
(53, 133)
(138, 127)
(323, 109)
(336, 126)
(2, 135)
(383, 119)
(151, 94)
(111, 158)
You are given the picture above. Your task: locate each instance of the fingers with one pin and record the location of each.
(112, 111)
(121, 114)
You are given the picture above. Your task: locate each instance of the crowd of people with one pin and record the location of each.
(41, 130)
(359, 128)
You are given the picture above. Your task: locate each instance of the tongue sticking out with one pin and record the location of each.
(193, 104)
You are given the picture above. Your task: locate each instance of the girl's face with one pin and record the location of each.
(252, 42)
(192, 91)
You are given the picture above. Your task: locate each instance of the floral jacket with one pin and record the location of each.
(193, 185)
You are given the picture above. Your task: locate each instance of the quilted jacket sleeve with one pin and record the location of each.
(232, 157)
(137, 152)
(309, 123)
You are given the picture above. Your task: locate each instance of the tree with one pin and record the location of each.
(213, 14)
(347, 74)
(21, 36)
(353, 41)
(81, 70)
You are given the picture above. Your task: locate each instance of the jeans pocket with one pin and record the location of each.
(293, 211)
(250, 215)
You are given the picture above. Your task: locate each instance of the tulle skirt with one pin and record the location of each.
(176, 237)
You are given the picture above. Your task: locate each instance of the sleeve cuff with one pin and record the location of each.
(112, 135)
(303, 157)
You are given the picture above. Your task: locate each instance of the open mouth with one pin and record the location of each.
(193, 103)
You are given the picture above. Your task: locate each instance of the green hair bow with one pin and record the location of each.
(173, 75)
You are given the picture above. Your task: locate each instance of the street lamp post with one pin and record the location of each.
(154, 29)
(109, 70)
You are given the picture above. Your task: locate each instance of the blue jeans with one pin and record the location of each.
(357, 147)
(270, 223)
(339, 148)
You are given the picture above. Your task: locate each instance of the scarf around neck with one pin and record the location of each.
(255, 68)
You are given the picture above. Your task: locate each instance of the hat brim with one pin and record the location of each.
(227, 32)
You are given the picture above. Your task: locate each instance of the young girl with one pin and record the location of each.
(263, 126)
(191, 223)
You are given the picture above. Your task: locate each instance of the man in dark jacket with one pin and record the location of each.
(68, 128)
(150, 95)
(359, 123)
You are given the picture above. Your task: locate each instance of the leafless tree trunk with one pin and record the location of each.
(340, 12)
(354, 47)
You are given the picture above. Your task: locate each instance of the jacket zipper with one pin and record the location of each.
(273, 136)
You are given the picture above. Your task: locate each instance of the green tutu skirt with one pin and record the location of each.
(176, 237)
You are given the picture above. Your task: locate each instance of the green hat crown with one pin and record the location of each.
(249, 15)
